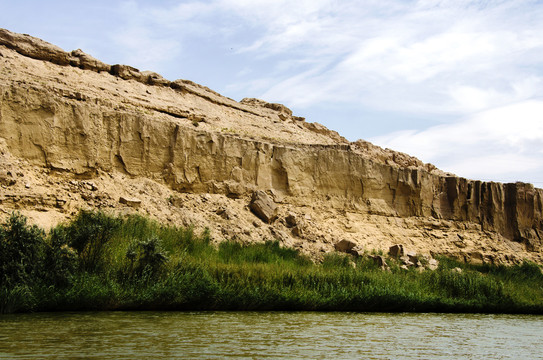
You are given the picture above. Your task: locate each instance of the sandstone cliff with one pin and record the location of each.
(78, 133)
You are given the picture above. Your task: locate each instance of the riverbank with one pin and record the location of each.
(100, 262)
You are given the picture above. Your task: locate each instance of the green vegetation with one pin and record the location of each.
(99, 262)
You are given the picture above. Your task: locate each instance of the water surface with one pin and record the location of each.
(273, 335)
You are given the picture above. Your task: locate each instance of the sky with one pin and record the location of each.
(458, 84)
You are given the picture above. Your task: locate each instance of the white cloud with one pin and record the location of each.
(474, 67)
(503, 143)
(177, 15)
(438, 57)
(472, 98)
(498, 167)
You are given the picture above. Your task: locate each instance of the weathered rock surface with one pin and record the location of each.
(433, 264)
(133, 202)
(65, 116)
(263, 207)
(380, 261)
(345, 245)
(396, 251)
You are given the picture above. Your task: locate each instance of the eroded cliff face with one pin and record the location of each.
(192, 154)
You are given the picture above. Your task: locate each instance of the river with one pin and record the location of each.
(269, 335)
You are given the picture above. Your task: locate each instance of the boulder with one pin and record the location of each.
(345, 245)
(396, 251)
(132, 202)
(263, 207)
(60, 202)
(476, 258)
(413, 258)
(277, 196)
(87, 62)
(297, 231)
(358, 250)
(153, 78)
(89, 185)
(6, 178)
(433, 264)
(33, 47)
(290, 220)
(405, 260)
(225, 213)
(127, 72)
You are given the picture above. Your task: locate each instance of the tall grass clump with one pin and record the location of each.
(269, 252)
(88, 234)
(102, 262)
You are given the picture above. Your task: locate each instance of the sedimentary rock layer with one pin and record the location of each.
(72, 113)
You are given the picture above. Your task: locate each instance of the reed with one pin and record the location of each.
(100, 262)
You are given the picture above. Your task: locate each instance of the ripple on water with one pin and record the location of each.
(259, 335)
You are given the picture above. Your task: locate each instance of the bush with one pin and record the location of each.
(529, 271)
(22, 250)
(16, 298)
(146, 257)
(60, 261)
(87, 235)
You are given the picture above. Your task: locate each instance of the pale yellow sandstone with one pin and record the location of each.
(190, 155)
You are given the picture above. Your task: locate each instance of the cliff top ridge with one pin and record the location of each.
(275, 122)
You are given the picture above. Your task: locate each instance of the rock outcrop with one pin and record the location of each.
(263, 207)
(65, 116)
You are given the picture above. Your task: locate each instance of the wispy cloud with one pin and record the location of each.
(433, 56)
(474, 67)
(504, 143)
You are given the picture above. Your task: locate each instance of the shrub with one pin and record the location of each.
(60, 261)
(88, 234)
(22, 250)
(530, 271)
(16, 298)
(146, 257)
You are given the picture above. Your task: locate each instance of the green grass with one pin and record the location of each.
(100, 262)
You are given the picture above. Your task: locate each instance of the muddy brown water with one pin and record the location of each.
(269, 335)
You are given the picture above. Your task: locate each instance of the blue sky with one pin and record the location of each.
(455, 83)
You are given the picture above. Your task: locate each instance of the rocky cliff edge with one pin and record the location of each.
(78, 133)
